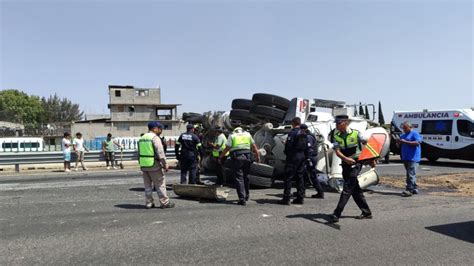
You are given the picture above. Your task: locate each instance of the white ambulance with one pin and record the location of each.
(445, 133)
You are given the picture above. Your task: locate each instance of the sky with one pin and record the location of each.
(410, 55)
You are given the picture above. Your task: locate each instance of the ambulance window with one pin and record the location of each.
(437, 127)
(465, 128)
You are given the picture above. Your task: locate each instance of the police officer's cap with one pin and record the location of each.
(341, 118)
(219, 129)
(190, 126)
(154, 124)
(304, 126)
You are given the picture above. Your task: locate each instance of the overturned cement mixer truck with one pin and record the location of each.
(268, 118)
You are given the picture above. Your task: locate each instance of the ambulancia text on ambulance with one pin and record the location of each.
(445, 133)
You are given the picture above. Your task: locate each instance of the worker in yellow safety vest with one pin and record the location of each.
(240, 143)
(347, 145)
(152, 160)
(217, 147)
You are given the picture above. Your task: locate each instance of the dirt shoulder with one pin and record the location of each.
(459, 184)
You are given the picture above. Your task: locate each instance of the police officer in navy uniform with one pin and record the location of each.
(347, 145)
(310, 164)
(295, 148)
(240, 144)
(190, 145)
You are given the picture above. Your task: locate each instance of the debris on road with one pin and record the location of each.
(201, 191)
(461, 184)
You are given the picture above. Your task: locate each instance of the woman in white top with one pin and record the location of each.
(66, 146)
(79, 148)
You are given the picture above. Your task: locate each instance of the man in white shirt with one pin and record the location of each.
(79, 148)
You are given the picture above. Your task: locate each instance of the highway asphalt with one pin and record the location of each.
(97, 217)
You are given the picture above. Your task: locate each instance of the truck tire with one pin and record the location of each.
(194, 119)
(207, 121)
(187, 115)
(260, 181)
(271, 100)
(243, 104)
(266, 112)
(260, 169)
(242, 115)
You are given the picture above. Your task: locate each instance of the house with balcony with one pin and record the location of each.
(131, 109)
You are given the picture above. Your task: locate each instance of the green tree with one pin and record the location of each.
(18, 107)
(381, 118)
(60, 110)
(367, 116)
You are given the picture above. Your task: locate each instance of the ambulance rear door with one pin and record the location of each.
(464, 137)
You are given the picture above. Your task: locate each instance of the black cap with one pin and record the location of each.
(304, 126)
(190, 126)
(341, 118)
(219, 129)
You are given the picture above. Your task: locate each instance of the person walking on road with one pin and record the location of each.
(410, 153)
(347, 145)
(152, 160)
(240, 144)
(108, 149)
(66, 148)
(218, 146)
(186, 150)
(296, 146)
(80, 149)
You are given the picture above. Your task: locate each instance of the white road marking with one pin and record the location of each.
(265, 215)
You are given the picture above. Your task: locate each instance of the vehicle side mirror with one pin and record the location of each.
(472, 133)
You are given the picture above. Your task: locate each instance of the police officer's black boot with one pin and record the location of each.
(319, 195)
(333, 218)
(284, 201)
(298, 201)
(242, 202)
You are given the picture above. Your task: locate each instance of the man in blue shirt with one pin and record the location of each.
(410, 153)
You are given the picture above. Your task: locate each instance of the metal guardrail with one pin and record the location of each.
(38, 145)
(18, 159)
